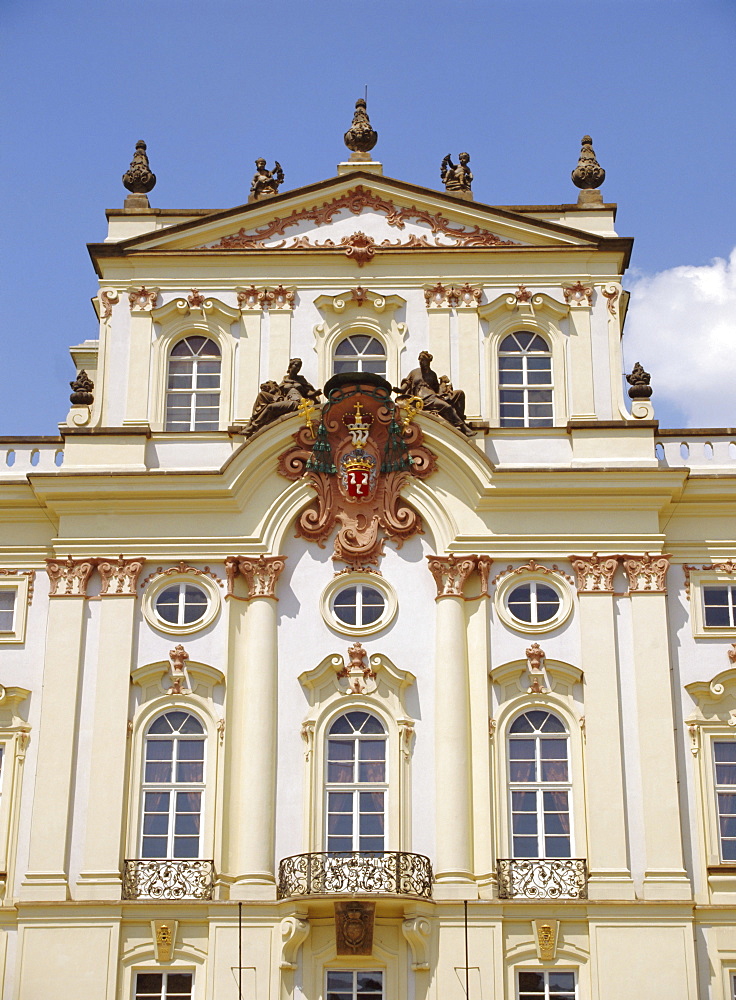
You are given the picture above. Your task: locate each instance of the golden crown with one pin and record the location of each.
(358, 462)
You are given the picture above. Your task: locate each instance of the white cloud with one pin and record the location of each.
(682, 327)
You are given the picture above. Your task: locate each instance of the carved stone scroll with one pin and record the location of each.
(578, 294)
(594, 572)
(647, 572)
(451, 573)
(354, 927)
(259, 572)
(119, 576)
(142, 298)
(294, 932)
(69, 577)
(417, 931)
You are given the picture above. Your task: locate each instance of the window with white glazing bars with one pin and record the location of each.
(193, 386)
(356, 783)
(539, 786)
(525, 381)
(173, 787)
(724, 762)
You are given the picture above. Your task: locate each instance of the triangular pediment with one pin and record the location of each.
(363, 211)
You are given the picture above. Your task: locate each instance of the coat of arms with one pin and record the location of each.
(365, 450)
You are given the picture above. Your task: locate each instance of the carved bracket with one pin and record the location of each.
(418, 932)
(294, 932)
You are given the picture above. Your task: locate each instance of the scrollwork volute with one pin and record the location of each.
(594, 573)
(451, 572)
(69, 577)
(260, 573)
(119, 576)
(646, 573)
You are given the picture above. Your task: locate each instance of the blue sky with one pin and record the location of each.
(212, 86)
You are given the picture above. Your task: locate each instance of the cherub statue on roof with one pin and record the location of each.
(265, 183)
(457, 177)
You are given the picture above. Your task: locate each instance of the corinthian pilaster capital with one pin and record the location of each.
(594, 572)
(259, 572)
(451, 573)
(647, 572)
(119, 576)
(69, 577)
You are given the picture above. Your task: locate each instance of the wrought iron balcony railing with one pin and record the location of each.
(551, 878)
(356, 872)
(144, 878)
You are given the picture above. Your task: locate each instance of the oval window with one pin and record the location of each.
(181, 604)
(358, 604)
(533, 603)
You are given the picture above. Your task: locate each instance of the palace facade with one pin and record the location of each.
(362, 635)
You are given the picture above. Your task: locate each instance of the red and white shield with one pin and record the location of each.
(358, 482)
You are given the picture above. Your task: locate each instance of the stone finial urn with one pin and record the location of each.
(360, 137)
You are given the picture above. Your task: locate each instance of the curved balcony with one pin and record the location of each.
(350, 872)
(548, 878)
(144, 878)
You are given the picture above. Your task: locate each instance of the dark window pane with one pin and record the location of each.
(521, 725)
(531, 981)
(725, 751)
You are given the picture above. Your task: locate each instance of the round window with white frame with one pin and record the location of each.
(182, 603)
(358, 604)
(533, 602)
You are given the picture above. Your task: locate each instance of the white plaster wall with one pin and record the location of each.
(305, 639)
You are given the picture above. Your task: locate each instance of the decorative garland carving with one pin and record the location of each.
(182, 567)
(30, 573)
(142, 298)
(612, 293)
(354, 201)
(108, 297)
(575, 294)
(728, 566)
(465, 295)
(358, 464)
(532, 567)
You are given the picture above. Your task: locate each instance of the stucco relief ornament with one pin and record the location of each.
(358, 675)
(119, 576)
(358, 463)
(647, 572)
(178, 656)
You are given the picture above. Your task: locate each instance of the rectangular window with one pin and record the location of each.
(7, 610)
(719, 606)
(724, 762)
(538, 985)
(354, 985)
(163, 986)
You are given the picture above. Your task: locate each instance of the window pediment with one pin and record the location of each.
(715, 699)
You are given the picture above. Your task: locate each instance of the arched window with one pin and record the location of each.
(525, 381)
(193, 386)
(356, 783)
(173, 787)
(359, 353)
(539, 786)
